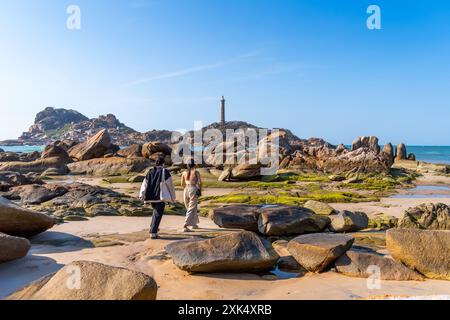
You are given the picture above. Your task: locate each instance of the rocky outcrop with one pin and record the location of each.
(347, 221)
(110, 166)
(234, 252)
(96, 147)
(85, 200)
(18, 221)
(62, 124)
(319, 208)
(236, 217)
(400, 152)
(12, 248)
(9, 179)
(284, 220)
(37, 166)
(427, 216)
(427, 251)
(361, 265)
(133, 151)
(316, 252)
(34, 194)
(97, 282)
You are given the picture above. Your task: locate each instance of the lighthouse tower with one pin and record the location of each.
(222, 111)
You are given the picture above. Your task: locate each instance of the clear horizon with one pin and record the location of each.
(315, 69)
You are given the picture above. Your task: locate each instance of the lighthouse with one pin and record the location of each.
(222, 111)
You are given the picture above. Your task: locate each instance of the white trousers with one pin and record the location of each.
(191, 203)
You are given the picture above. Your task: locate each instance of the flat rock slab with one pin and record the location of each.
(12, 248)
(427, 251)
(363, 265)
(284, 220)
(97, 282)
(236, 217)
(315, 252)
(234, 252)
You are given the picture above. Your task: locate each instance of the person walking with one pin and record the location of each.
(191, 181)
(158, 189)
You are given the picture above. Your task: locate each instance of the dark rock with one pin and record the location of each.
(35, 194)
(284, 220)
(233, 252)
(236, 217)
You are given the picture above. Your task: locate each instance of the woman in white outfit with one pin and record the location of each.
(191, 181)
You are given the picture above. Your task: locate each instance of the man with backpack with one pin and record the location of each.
(157, 188)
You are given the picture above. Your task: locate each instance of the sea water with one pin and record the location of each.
(436, 154)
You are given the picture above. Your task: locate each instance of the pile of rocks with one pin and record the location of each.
(279, 220)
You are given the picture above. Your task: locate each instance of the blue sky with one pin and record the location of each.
(310, 66)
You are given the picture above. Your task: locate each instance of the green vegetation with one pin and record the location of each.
(290, 199)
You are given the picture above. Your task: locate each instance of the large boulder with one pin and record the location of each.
(133, 151)
(347, 221)
(316, 252)
(362, 160)
(427, 216)
(95, 147)
(319, 208)
(151, 148)
(97, 282)
(34, 194)
(285, 220)
(238, 217)
(12, 248)
(360, 265)
(110, 166)
(234, 252)
(427, 251)
(18, 221)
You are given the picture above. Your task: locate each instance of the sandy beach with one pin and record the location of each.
(123, 241)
